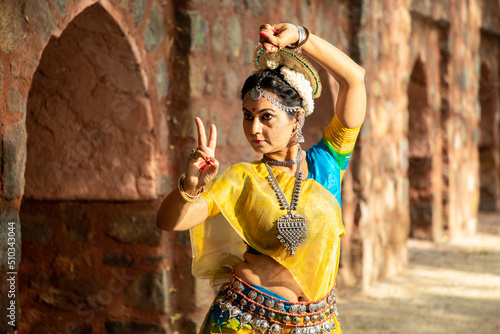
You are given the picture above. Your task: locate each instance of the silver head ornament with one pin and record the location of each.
(257, 92)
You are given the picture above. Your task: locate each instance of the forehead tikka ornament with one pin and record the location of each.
(257, 92)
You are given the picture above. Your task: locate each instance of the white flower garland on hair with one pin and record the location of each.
(296, 80)
(299, 82)
(273, 61)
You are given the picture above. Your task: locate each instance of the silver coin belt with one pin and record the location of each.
(269, 315)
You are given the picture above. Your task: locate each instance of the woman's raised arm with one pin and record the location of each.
(351, 102)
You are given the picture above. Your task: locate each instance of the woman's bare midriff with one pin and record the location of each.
(264, 271)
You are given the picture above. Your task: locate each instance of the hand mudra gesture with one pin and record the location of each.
(201, 166)
(277, 36)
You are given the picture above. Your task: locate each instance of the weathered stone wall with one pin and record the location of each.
(97, 267)
(85, 89)
(417, 169)
(379, 172)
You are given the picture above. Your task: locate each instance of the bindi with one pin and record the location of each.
(253, 109)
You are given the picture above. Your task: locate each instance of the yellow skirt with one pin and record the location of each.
(240, 307)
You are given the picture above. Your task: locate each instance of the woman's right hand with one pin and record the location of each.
(278, 36)
(201, 165)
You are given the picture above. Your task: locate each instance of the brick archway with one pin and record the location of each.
(424, 153)
(90, 245)
(489, 144)
(88, 119)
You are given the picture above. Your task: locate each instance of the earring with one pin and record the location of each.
(299, 137)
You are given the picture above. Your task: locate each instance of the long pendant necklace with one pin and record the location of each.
(292, 228)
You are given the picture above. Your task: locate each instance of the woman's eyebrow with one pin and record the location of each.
(258, 112)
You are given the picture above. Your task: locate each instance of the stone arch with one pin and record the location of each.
(489, 145)
(88, 209)
(88, 116)
(423, 172)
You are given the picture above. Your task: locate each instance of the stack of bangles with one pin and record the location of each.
(184, 194)
(303, 37)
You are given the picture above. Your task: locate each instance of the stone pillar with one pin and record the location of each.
(461, 127)
(380, 173)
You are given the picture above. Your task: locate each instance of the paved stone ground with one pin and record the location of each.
(450, 288)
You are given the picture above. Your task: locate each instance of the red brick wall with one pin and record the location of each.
(88, 86)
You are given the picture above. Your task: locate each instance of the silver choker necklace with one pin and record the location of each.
(285, 163)
(292, 228)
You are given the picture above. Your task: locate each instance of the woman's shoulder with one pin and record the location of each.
(237, 175)
(242, 166)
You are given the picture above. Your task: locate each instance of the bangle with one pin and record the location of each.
(184, 194)
(303, 37)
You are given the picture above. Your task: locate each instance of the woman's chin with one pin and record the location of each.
(258, 150)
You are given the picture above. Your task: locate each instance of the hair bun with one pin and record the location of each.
(292, 59)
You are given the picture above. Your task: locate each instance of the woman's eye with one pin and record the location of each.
(247, 117)
(267, 117)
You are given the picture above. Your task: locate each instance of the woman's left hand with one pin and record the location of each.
(277, 36)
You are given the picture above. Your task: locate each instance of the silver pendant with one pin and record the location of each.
(291, 227)
(234, 312)
(275, 329)
(292, 231)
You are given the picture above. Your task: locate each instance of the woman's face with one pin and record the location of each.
(267, 127)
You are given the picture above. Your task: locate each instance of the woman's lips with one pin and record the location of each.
(258, 141)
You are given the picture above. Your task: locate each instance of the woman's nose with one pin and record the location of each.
(256, 126)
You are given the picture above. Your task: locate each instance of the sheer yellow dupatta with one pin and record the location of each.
(250, 208)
